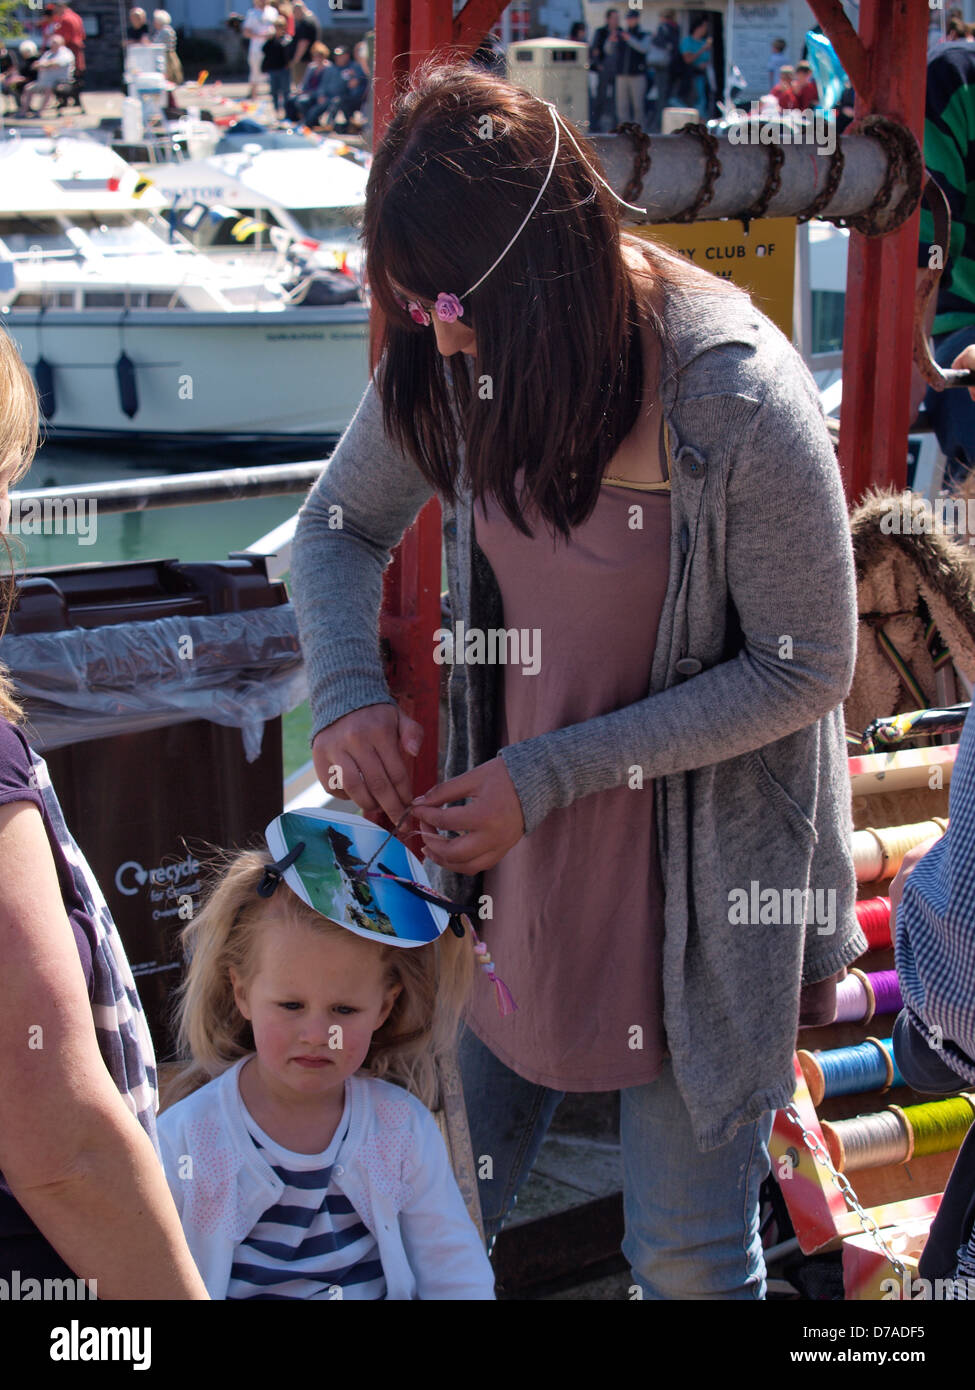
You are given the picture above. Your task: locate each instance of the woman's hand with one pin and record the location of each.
(909, 862)
(491, 819)
(361, 757)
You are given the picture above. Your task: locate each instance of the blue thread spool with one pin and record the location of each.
(845, 1071)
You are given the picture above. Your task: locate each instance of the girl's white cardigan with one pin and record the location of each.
(393, 1167)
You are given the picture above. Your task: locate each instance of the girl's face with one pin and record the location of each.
(313, 1001)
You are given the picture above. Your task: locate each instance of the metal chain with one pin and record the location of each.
(712, 169)
(864, 221)
(841, 1182)
(773, 182)
(903, 161)
(641, 160)
(823, 199)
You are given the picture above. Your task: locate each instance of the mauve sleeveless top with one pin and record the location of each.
(577, 925)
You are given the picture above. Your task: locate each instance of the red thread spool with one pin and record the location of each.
(873, 915)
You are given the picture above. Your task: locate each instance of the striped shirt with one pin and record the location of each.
(312, 1243)
(949, 153)
(934, 944)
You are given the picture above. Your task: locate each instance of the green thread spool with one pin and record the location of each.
(940, 1125)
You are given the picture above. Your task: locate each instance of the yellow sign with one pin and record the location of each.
(763, 262)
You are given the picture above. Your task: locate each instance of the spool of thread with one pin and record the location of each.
(896, 1136)
(886, 991)
(860, 996)
(846, 1071)
(873, 918)
(868, 1141)
(939, 1125)
(880, 853)
(855, 1000)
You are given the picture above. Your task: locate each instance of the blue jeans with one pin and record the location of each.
(691, 1218)
(952, 412)
(280, 81)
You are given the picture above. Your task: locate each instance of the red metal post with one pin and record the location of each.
(890, 54)
(406, 32)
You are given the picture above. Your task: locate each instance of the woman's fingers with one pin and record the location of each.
(361, 756)
(377, 780)
(468, 854)
(467, 784)
(466, 817)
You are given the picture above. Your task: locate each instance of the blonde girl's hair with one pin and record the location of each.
(19, 425)
(212, 1034)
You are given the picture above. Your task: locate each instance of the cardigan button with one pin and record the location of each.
(693, 467)
(688, 666)
(338, 1170)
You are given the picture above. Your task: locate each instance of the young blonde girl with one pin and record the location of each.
(298, 1169)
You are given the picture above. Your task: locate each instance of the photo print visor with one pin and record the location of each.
(353, 872)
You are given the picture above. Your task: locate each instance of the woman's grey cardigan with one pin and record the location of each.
(741, 735)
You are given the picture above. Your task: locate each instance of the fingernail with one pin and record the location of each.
(418, 798)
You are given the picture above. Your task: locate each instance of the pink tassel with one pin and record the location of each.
(506, 1003)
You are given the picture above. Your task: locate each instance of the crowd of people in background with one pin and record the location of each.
(42, 71)
(309, 83)
(306, 80)
(636, 74)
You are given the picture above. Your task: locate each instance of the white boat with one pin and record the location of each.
(289, 188)
(130, 331)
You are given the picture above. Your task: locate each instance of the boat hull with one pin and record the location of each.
(247, 375)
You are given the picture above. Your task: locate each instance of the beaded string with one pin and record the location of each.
(459, 919)
(506, 1004)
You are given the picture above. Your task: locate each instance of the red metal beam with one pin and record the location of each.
(475, 20)
(877, 331)
(406, 32)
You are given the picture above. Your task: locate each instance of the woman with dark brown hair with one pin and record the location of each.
(652, 629)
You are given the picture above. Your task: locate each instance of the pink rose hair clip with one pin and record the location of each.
(448, 307)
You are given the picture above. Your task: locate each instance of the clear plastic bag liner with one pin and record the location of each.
(237, 669)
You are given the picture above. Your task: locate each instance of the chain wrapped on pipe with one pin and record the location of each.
(903, 161)
(712, 169)
(880, 158)
(641, 160)
(828, 191)
(773, 182)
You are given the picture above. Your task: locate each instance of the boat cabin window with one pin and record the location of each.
(342, 223)
(132, 299)
(121, 232)
(20, 233)
(105, 299)
(45, 299)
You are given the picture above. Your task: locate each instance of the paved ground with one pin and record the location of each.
(220, 99)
